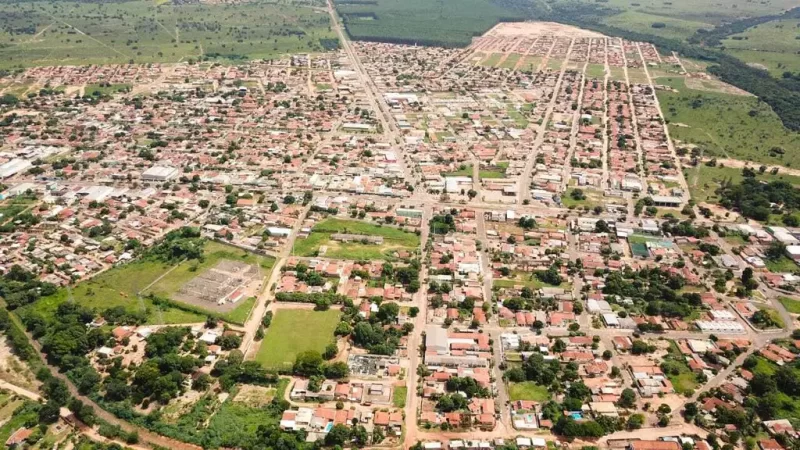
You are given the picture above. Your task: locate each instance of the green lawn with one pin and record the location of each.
(782, 265)
(791, 305)
(393, 239)
(241, 312)
(727, 125)
(466, 171)
(294, 331)
(399, 396)
(498, 171)
(528, 390)
(119, 286)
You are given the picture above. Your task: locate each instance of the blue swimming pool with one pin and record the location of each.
(576, 415)
(328, 427)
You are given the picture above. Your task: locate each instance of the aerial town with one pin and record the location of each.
(386, 246)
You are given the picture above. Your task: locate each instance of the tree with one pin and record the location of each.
(413, 311)
(635, 421)
(601, 227)
(775, 251)
(308, 363)
(388, 312)
(330, 351)
(472, 193)
(337, 370)
(627, 398)
(339, 435)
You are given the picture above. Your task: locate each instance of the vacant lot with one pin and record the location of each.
(727, 125)
(528, 390)
(294, 331)
(393, 239)
(142, 31)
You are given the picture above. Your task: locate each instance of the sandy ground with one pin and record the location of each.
(15, 371)
(511, 29)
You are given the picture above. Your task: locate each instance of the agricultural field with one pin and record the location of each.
(450, 24)
(773, 45)
(64, 33)
(294, 331)
(727, 125)
(394, 239)
(528, 390)
(119, 286)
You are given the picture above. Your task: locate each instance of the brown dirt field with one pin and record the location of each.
(539, 29)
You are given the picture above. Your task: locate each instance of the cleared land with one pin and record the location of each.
(294, 331)
(727, 125)
(62, 33)
(119, 287)
(394, 239)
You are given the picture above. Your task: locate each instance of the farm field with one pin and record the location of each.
(528, 390)
(294, 331)
(119, 286)
(67, 33)
(727, 125)
(393, 239)
(449, 24)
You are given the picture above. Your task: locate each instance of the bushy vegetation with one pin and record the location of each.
(753, 198)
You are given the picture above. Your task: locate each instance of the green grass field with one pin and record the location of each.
(451, 23)
(399, 396)
(704, 181)
(782, 265)
(214, 253)
(727, 125)
(528, 390)
(78, 33)
(393, 239)
(294, 331)
(772, 44)
(465, 172)
(119, 286)
(637, 20)
(791, 305)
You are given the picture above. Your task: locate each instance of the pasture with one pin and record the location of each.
(727, 125)
(449, 24)
(773, 45)
(42, 33)
(294, 331)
